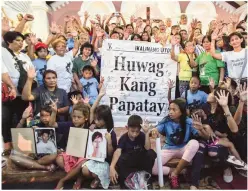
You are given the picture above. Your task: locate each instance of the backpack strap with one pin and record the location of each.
(244, 65)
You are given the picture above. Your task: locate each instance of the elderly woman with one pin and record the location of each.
(62, 64)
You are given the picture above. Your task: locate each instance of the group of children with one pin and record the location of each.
(127, 156)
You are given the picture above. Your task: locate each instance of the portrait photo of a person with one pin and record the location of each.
(45, 142)
(97, 140)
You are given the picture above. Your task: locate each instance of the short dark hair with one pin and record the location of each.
(149, 38)
(118, 27)
(45, 131)
(48, 72)
(103, 112)
(47, 109)
(26, 35)
(240, 27)
(206, 37)
(197, 77)
(182, 30)
(89, 68)
(114, 32)
(129, 25)
(10, 36)
(134, 121)
(83, 108)
(244, 33)
(87, 45)
(96, 135)
(240, 36)
(132, 37)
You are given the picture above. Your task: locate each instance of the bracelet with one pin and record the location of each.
(227, 115)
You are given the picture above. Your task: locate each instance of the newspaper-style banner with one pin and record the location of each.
(136, 76)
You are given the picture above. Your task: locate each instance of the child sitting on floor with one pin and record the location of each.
(71, 165)
(40, 162)
(133, 152)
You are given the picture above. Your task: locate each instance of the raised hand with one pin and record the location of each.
(227, 83)
(92, 22)
(54, 27)
(219, 24)
(5, 24)
(54, 106)
(28, 17)
(193, 23)
(243, 92)
(94, 63)
(211, 82)
(197, 124)
(98, 18)
(234, 20)
(33, 39)
(27, 112)
(222, 98)
(86, 15)
(31, 72)
(74, 100)
(146, 126)
(171, 84)
(132, 18)
(214, 35)
(86, 100)
(104, 17)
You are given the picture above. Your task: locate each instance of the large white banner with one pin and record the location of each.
(136, 75)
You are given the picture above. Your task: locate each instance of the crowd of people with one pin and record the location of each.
(59, 82)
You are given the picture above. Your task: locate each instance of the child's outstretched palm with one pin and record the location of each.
(171, 84)
(74, 100)
(197, 124)
(222, 99)
(243, 92)
(146, 126)
(86, 100)
(227, 82)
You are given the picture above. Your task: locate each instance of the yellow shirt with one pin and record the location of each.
(185, 72)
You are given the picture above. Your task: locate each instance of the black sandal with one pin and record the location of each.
(6, 152)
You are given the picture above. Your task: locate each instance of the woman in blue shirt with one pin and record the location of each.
(178, 128)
